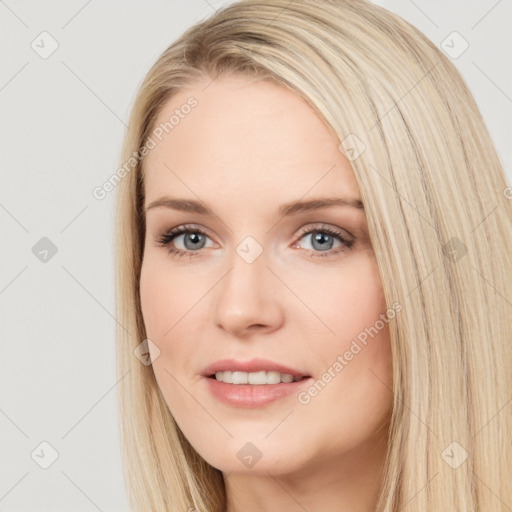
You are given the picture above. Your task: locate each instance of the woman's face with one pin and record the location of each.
(297, 286)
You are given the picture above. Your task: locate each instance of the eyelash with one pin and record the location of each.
(165, 239)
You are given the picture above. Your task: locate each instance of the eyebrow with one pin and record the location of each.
(285, 210)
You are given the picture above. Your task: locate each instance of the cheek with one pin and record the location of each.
(353, 307)
(354, 395)
(151, 298)
(163, 297)
(172, 312)
(352, 299)
(164, 316)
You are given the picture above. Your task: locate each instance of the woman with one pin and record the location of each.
(315, 298)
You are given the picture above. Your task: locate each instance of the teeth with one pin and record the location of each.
(256, 378)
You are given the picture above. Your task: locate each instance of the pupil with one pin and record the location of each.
(195, 239)
(322, 238)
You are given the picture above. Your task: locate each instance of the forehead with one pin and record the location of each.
(247, 140)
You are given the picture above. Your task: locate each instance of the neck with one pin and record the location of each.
(343, 483)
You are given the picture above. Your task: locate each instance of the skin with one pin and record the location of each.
(248, 147)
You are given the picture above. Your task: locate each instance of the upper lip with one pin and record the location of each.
(254, 365)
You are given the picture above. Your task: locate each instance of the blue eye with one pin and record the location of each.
(194, 239)
(323, 238)
(192, 243)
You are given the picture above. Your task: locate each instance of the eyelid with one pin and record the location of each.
(319, 226)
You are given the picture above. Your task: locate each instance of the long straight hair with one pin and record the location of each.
(440, 222)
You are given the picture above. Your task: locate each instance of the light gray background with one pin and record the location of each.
(63, 119)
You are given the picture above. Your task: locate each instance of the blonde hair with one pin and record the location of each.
(433, 190)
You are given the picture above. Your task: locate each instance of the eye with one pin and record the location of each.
(194, 239)
(322, 240)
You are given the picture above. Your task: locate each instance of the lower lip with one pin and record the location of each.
(253, 395)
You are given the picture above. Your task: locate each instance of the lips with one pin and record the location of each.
(254, 365)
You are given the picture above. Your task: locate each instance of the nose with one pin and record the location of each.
(248, 298)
